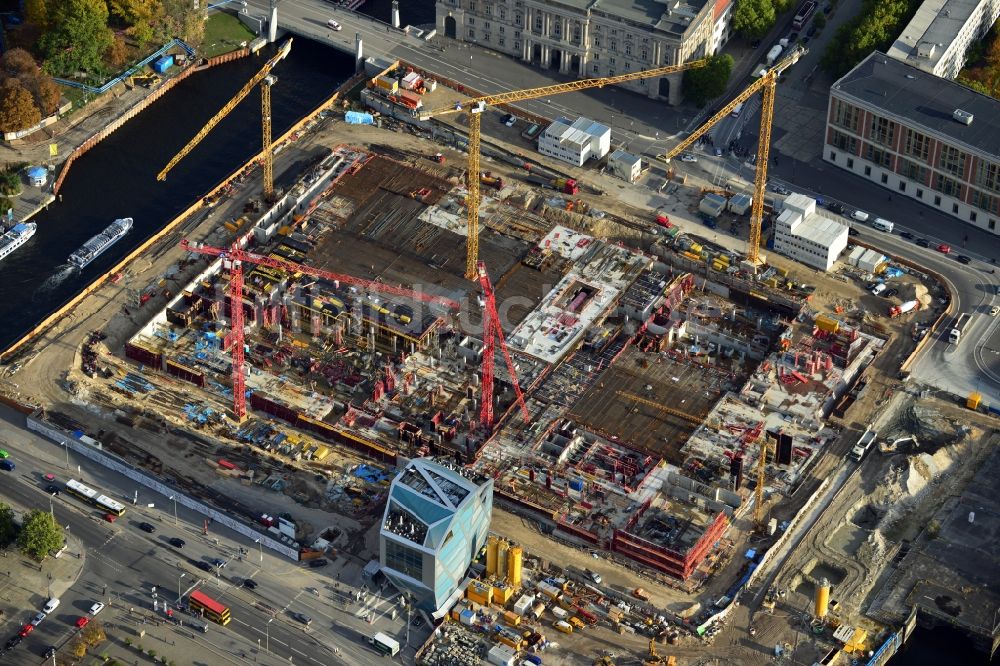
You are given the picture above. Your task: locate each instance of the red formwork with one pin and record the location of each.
(143, 355)
(672, 562)
(578, 532)
(186, 373)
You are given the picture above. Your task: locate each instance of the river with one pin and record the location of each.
(117, 178)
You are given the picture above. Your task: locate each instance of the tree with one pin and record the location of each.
(78, 39)
(45, 93)
(93, 634)
(181, 19)
(8, 525)
(820, 21)
(78, 649)
(40, 533)
(753, 18)
(36, 12)
(708, 82)
(782, 6)
(17, 62)
(140, 15)
(17, 108)
(117, 54)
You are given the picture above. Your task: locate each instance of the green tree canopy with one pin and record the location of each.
(36, 13)
(40, 534)
(708, 82)
(78, 39)
(8, 526)
(753, 18)
(17, 108)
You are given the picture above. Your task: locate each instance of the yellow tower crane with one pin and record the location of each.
(697, 420)
(767, 84)
(476, 107)
(266, 80)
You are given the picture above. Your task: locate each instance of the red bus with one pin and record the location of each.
(209, 607)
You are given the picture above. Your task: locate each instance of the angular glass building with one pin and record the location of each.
(435, 522)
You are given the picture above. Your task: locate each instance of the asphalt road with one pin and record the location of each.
(123, 564)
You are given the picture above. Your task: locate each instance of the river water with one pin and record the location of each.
(117, 178)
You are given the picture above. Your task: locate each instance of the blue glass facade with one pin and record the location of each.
(435, 522)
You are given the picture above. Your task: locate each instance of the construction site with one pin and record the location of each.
(643, 395)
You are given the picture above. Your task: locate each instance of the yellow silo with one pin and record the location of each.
(514, 566)
(491, 555)
(822, 598)
(502, 549)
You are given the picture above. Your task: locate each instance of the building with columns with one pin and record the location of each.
(919, 136)
(592, 38)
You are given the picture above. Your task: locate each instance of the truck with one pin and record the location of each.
(908, 306)
(864, 443)
(564, 185)
(773, 54)
(487, 178)
(961, 323)
(384, 644)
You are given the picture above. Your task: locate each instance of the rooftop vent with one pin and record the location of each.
(963, 117)
(926, 49)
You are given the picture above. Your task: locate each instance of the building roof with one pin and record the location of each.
(924, 101)
(579, 132)
(673, 16)
(623, 156)
(815, 228)
(931, 31)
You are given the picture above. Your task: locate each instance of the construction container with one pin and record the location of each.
(828, 324)
(480, 592)
(511, 618)
(491, 555)
(974, 399)
(467, 617)
(523, 605)
(696, 248)
(501, 655)
(564, 627)
(740, 204)
(162, 64)
(537, 609)
(502, 594)
(390, 85)
(577, 622)
(560, 613)
(515, 561)
(512, 643)
(548, 590)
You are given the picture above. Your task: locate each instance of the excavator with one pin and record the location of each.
(656, 659)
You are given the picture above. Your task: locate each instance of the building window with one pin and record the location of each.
(946, 185)
(517, 34)
(902, 186)
(404, 559)
(594, 69)
(577, 33)
(472, 21)
(472, 33)
(882, 130)
(501, 42)
(985, 202)
(628, 66)
(885, 178)
(846, 143)
(988, 175)
(993, 224)
(613, 45)
(912, 170)
(880, 157)
(952, 160)
(487, 9)
(597, 56)
(846, 116)
(850, 163)
(611, 61)
(972, 216)
(518, 19)
(597, 42)
(645, 55)
(486, 36)
(628, 49)
(917, 145)
(954, 208)
(503, 14)
(557, 28)
(920, 193)
(868, 171)
(833, 156)
(486, 25)
(538, 22)
(937, 200)
(472, 6)
(501, 30)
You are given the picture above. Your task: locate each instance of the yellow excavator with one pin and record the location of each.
(656, 659)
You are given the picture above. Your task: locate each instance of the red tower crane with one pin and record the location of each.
(492, 334)
(236, 256)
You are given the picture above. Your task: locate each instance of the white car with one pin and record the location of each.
(50, 605)
(333, 25)
(37, 620)
(995, 310)
(511, 121)
(860, 216)
(688, 158)
(96, 608)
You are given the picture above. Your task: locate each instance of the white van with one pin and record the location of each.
(878, 289)
(882, 224)
(860, 216)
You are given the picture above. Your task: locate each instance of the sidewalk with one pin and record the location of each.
(25, 584)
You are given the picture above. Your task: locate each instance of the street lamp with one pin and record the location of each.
(261, 551)
(174, 498)
(50, 585)
(179, 585)
(267, 636)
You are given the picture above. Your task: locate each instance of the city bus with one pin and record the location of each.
(91, 496)
(209, 608)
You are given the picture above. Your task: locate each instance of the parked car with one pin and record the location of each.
(176, 542)
(333, 25)
(717, 152)
(4, 454)
(922, 242)
(835, 207)
(301, 617)
(995, 310)
(860, 216)
(96, 608)
(963, 259)
(851, 231)
(811, 31)
(686, 157)
(50, 606)
(110, 517)
(511, 120)
(890, 293)
(906, 234)
(146, 527)
(318, 564)
(204, 566)
(944, 248)
(37, 620)
(82, 621)
(52, 489)
(250, 583)
(878, 289)
(827, 8)
(13, 643)
(50, 652)
(26, 629)
(780, 189)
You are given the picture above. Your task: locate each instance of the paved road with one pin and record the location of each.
(123, 563)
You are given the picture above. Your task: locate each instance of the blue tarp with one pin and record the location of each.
(358, 118)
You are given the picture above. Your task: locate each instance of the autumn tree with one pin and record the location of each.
(36, 13)
(181, 19)
(140, 15)
(45, 93)
(16, 63)
(17, 108)
(78, 39)
(117, 54)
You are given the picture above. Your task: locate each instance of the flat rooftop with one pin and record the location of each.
(924, 101)
(931, 31)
